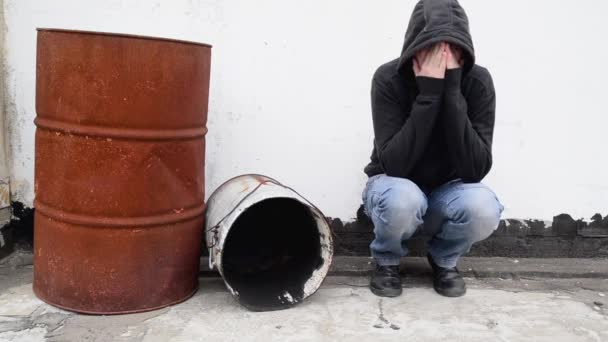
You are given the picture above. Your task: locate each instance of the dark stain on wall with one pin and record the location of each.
(22, 226)
(19, 232)
(563, 237)
(6, 241)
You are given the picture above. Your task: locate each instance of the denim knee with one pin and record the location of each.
(401, 207)
(479, 212)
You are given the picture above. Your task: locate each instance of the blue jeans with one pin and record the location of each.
(455, 216)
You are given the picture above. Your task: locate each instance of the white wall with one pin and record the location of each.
(290, 89)
(5, 202)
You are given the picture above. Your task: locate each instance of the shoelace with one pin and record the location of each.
(390, 271)
(449, 273)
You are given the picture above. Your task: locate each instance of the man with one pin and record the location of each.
(433, 114)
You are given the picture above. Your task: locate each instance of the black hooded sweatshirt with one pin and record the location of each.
(433, 130)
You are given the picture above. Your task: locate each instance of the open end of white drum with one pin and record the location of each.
(270, 252)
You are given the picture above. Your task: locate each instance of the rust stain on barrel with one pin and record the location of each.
(119, 174)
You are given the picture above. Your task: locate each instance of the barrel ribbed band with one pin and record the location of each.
(119, 132)
(176, 216)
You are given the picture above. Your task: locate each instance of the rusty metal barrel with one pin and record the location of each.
(119, 171)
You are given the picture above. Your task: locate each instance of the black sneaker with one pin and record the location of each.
(386, 281)
(447, 281)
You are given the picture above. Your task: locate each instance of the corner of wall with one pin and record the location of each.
(5, 197)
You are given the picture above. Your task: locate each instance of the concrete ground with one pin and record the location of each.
(520, 308)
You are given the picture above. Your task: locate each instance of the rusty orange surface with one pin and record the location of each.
(119, 170)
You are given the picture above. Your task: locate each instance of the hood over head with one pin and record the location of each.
(434, 21)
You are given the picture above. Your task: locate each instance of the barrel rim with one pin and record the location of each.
(257, 176)
(122, 35)
(263, 179)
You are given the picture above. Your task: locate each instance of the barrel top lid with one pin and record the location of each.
(122, 35)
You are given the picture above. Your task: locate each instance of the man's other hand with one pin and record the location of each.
(432, 61)
(455, 59)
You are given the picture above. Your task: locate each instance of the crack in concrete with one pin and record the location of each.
(381, 314)
(143, 337)
(491, 324)
(156, 314)
(60, 325)
(25, 323)
(49, 321)
(383, 319)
